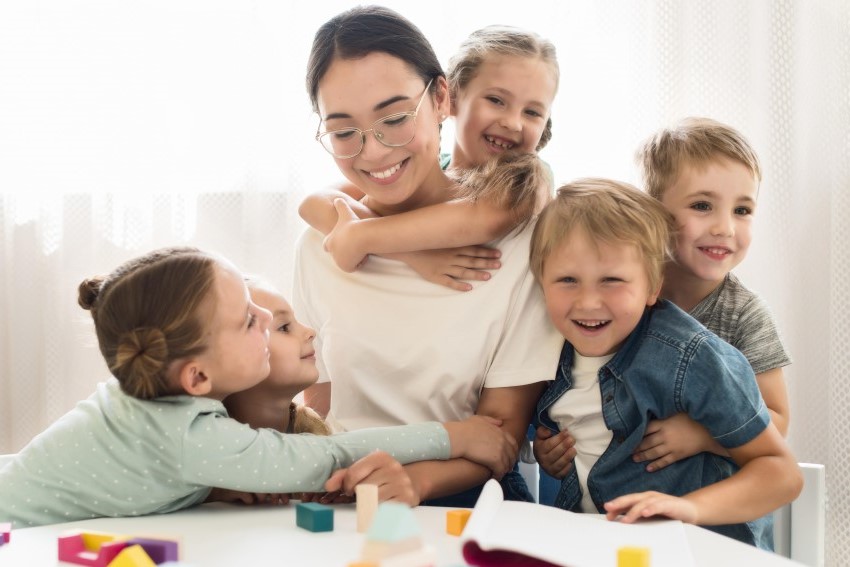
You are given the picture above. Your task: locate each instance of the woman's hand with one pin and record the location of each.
(450, 266)
(480, 439)
(632, 507)
(554, 452)
(380, 469)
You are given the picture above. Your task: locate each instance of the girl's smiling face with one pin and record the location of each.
(504, 107)
(356, 93)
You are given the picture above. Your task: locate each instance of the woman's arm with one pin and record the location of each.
(513, 406)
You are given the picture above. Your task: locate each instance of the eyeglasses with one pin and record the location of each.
(393, 131)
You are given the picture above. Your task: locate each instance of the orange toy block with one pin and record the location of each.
(132, 556)
(456, 521)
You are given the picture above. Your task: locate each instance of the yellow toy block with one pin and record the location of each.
(133, 556)
(633, 557)
(456, 521)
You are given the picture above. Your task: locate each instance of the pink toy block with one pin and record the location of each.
(132, 556)
(95, 549)
(5, 532)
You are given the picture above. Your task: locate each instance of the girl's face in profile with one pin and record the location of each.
(292, 356)
(356, 93)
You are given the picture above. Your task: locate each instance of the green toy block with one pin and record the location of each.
(314, 517)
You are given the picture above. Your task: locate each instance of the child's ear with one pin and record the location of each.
(443, 102)
(193, 380)
(653, 297)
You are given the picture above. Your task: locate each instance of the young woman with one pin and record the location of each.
(396, 348)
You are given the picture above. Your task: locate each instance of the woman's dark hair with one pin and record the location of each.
(360, 31)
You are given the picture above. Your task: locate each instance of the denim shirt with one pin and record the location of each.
(669, 364)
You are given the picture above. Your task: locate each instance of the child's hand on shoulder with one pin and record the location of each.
(480, 439)
(554, 452)
(632, 507)
(380, 469)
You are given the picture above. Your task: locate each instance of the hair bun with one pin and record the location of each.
(141, 352)
(88, 292)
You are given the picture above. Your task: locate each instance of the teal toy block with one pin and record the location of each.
(314, 517)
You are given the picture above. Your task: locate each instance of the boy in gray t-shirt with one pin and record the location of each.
(707, 175)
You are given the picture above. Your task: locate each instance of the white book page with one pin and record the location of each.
(570, 539)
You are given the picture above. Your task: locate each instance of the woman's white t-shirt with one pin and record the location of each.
(399, 349)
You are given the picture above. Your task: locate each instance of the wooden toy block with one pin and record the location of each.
(314, 517)
(633, 557)
(456, 521)
(5, 532)
(95, 549)
(367, 505)
(132, 556)
(159, 550)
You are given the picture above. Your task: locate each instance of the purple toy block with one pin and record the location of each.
(159, 550)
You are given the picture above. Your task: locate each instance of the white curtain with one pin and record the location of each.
(126, 126)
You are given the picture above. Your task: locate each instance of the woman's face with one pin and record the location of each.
(356, 93)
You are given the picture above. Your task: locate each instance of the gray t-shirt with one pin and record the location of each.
(114, 455)
(742, 319)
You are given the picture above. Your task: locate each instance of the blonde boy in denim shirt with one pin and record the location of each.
(598, 251)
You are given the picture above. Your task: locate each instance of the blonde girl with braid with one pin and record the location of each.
(179, 333)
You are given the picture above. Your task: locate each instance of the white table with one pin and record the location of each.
(228, 535)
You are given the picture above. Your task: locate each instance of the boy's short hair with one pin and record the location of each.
(609, 212)
(693, 141)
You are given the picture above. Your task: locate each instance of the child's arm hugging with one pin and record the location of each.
(441, 242)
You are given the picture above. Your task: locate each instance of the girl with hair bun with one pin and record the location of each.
(179, 333)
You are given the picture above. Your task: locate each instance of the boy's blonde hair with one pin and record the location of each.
(693, 141)
(149, 312)
(608, 212)
(500, 40)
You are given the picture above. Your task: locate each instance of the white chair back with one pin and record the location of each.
(800, 527)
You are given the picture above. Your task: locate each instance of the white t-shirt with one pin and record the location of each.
(580, 412)
(399, 349)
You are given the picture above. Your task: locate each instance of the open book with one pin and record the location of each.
(501, 533)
